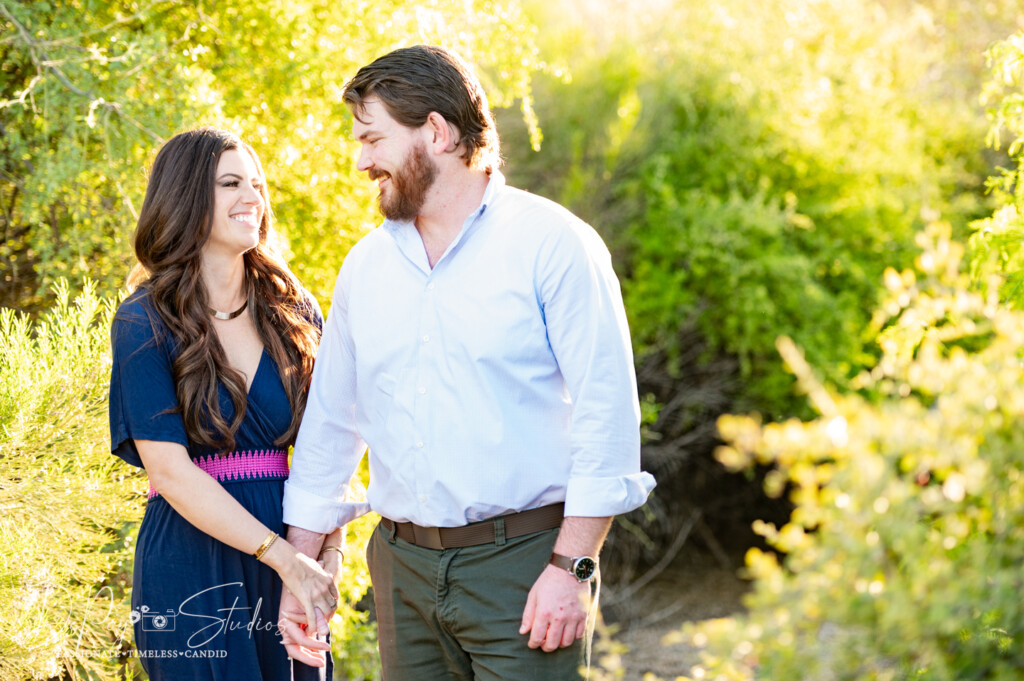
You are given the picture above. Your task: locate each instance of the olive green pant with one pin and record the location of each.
(455, 613)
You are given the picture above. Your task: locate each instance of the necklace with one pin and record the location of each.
(227, 316)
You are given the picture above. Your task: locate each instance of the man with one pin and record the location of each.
(478, 344)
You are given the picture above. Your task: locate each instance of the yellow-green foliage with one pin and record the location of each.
(902, 557)
(997, 257)
(63, 496)
(88, 90)
(756, 164)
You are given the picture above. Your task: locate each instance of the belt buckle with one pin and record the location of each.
(429, 537)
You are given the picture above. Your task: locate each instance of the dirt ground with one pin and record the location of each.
(693, 588)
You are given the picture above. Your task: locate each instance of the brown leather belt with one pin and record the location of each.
(487, 531)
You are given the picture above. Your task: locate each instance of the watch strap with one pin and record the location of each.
(560, 561)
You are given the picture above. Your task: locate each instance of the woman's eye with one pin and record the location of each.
(230, 183)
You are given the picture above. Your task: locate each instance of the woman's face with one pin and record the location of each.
(237, 206)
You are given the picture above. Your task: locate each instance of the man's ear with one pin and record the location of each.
(442, 136)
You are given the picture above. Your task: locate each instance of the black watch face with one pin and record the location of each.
(584, 568)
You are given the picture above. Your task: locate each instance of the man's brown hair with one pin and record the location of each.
(414, 81)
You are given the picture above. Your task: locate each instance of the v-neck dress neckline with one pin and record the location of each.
(256, 374)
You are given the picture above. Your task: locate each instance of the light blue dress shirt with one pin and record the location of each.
(499, 381)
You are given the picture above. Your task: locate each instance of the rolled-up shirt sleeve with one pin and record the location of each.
(328, 447)
(589, 336)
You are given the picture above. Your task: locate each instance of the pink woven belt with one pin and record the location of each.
(257, 464)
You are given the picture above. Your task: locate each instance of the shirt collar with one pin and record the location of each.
(496, 184)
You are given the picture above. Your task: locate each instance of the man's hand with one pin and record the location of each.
(291, 623)
(556, 610)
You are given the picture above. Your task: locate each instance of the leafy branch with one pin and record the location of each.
(43, 63)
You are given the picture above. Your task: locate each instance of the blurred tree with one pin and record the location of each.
(902, 555)
(77, 81)
(855, 128)
(755, 167)
(88, 89)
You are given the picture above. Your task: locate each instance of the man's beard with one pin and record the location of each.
(409, 185)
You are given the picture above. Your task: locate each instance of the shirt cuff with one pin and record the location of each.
(604, 497)
(319, 514)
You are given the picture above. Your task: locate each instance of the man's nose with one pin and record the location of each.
(363, 163)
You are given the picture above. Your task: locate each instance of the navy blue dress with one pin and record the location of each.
(202, 610)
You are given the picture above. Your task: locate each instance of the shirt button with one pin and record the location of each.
(423, 391)
(426, 338)
(419, 445)
(423, 500)
(430, 286)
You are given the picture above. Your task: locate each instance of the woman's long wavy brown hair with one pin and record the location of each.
(174, 225)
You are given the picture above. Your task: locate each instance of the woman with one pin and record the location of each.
(212, 355)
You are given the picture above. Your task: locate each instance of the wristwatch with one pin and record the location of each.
(583, 568)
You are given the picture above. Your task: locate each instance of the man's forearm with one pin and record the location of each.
(307, 541)
(579, 536)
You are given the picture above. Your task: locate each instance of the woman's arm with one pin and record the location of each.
(296, 635)
(202, 501)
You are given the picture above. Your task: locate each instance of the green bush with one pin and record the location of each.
(65, 559)
(902, 556)
(71, 509)
(901, 559)
(754, 166)
(758, 186)
(354, 636)
(997, 258)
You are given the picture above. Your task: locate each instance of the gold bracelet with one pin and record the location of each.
(271, 538)
(333, 548)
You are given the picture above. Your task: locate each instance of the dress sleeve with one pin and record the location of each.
(142, 396)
